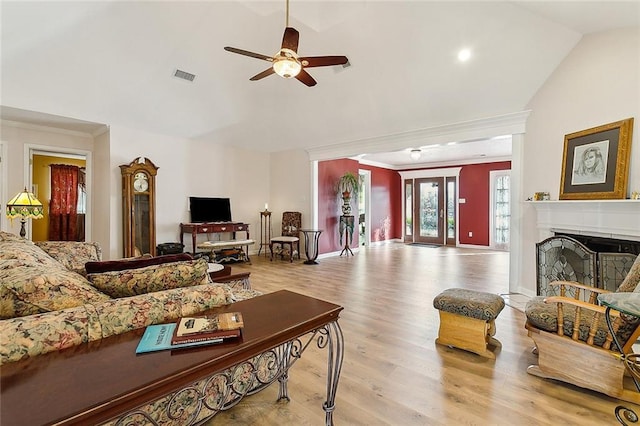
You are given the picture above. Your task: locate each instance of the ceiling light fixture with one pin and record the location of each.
(464, 55)
(415, 154)
(286, 64)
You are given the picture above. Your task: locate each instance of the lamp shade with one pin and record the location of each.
(415, 154)
(24, 205)
(287, 67)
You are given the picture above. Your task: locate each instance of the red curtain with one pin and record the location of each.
(63, 206)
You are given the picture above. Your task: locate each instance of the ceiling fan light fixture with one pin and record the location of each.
(415, 154)
(287, 67)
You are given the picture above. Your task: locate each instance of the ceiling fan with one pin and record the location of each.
(286, 63)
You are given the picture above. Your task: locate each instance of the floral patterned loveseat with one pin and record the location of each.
(48, 303)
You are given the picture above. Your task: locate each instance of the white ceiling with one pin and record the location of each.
(112, 62)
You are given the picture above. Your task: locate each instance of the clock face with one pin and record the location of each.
(140, 182)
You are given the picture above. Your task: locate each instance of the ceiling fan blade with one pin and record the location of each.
(290, 39)
(263, 74)
(322, 61)
(247, 53)
(304, 77)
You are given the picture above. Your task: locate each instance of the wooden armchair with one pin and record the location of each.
(578, 349)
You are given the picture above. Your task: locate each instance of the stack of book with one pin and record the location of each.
(192, 331)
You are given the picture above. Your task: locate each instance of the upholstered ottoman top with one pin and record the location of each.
(469, 303)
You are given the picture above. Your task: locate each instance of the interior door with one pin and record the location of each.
(429, 211)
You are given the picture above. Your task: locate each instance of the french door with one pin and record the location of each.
(429, 210)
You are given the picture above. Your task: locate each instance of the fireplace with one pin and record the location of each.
(576, 258)
(589, 241)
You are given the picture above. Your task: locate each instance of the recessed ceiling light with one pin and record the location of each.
(452, 143)
(464, 55)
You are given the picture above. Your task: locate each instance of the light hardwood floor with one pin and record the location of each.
(393, 372)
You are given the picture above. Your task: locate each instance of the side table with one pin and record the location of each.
(626, 303)
(311, 238)
(346, 224)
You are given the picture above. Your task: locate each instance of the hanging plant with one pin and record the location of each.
(349, 185)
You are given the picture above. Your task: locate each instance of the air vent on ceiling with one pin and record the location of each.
(184, 75)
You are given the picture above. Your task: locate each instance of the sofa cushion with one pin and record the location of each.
(7, 236)
(52, 331)
(122, 315)
(27, 253)
(27, 289)
(42, 333)
(123, 264)
(166, 276)
(71, 254)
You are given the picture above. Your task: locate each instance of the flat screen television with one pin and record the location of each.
(205, 209)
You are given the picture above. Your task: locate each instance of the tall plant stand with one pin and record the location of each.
(346, 229)
(265, 231)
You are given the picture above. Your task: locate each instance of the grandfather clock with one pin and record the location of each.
(139, 207)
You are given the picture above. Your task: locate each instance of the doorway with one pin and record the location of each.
(40, 162)
(428, 210)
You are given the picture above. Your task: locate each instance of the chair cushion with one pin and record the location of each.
(469, 303)
(544, 316)
(285, 239)
(153, 278)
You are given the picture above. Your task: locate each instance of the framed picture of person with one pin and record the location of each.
(595, 162)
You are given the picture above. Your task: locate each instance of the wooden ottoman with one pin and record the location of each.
(467, 320)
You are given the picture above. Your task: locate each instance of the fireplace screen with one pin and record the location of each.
(564, 259)
(613, 268)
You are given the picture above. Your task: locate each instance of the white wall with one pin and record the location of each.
(290, 186)
(597, 83)
(187, 168)
(16, 136)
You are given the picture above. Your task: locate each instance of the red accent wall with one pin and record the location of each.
(386, 204)
(329, 204)
(474, 186)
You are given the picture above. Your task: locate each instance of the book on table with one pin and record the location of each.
(203, 328)
(158, 338)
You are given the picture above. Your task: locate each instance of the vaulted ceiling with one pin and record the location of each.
(113, 62)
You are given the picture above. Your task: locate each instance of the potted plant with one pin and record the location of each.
(348, 185)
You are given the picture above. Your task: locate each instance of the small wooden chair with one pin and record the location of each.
(578, 349)
(291, 224)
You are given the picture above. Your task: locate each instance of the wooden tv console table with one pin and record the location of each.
(105, 381)
(211, 228)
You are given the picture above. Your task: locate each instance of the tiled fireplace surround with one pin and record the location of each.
(586, 220)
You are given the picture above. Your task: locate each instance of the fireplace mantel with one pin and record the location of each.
(618, 219)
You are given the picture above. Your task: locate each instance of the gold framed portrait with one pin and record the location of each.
(595, 162)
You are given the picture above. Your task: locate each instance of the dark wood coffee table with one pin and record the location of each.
(103, 380)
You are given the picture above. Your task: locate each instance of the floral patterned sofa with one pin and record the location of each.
(48, 302)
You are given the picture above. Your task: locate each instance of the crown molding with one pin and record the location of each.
(512, 123)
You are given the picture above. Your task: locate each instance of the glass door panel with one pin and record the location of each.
(501, 211)
(429, 211)
(408, 211)
(451, 211)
